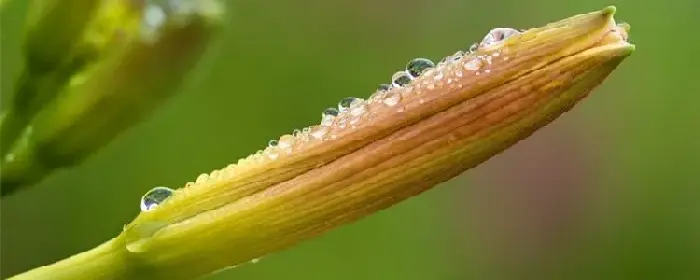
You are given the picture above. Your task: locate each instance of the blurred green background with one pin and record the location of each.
(608, 191)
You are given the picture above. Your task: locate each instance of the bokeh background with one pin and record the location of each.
(610, 190)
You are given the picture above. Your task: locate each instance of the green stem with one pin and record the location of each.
(107, 261)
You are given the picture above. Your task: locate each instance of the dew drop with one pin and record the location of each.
(318, 132)
(473, 48)
(401, 78)
(458, 55)
(342, 121)
(357, 107)
(344, 104)
(497, 35)
(384, 87)
(330, 112)
(201, 178)
(328, 116)
(214, 174)
(377, 96)
(272, 143)
(417, 66)
(273, 155)
(473, 64)
(392, 99)
(286, 142)
(155, 197)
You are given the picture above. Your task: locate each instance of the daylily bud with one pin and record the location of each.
(404, 141)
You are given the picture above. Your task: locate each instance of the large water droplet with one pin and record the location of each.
(401, 78)
(498, 34)
(344, 104)
(417, 66)
(155, 197)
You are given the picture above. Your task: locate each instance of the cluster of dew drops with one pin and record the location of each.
(349, 111)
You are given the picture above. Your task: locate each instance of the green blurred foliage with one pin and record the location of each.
(279, 63)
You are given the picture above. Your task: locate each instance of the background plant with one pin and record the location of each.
(620, 188)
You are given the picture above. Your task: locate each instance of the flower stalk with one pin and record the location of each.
(399, 143)
(129, 59)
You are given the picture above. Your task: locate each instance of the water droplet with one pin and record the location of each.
(392, 99)
(201, 178)
(301, 135)
(254, 261)
(286, 142)
(401, 78)
(214, 174)
(273, 155)
(497, 35)
(272, 143)
(318, 132)
(341, 121)
(417, 66)
(384, 87)
(328, 116)
(357, 107)
(155, 197)
(473, 48)
(344, 104)
(378, 96)
(331, 112)
(257, 156)
(473, 64)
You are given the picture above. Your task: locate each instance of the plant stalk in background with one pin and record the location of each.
(93, 75)
(373, 154)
